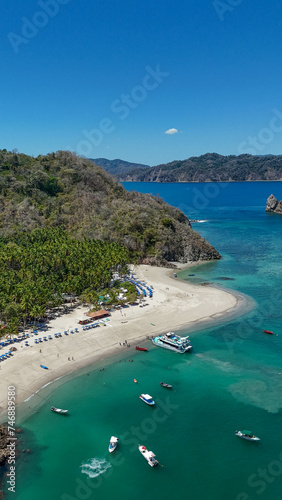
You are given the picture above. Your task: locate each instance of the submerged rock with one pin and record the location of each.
(225, 278)
(273, 205)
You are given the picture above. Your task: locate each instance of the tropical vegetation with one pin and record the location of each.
(38, 269)
(66, 225)
(64, 190)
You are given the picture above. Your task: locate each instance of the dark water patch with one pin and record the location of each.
(225, 278)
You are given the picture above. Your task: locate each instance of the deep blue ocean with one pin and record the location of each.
(232, 380)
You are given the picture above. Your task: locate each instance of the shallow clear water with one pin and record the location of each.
(232, 380)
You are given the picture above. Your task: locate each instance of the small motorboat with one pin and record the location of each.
(268, 331)
(45, 367)
(147, 399)
(148, 455)
(113, 444)
(141, 348)
(59, 410)
(248, 435)
(168, 386)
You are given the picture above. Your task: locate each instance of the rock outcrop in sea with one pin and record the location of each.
(273, 205)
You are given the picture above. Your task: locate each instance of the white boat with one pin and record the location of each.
(113, 444)
(173, 342)
(248, 435)
(147, 399)
(148, 455)
(58, 410)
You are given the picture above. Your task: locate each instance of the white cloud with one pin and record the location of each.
(171, 131)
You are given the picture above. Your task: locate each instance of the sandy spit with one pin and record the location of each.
(175, 304)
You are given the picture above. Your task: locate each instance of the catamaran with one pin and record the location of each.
(173, 342)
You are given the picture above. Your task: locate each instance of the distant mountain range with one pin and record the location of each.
(210, 167)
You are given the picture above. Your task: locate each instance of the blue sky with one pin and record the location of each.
(109, 78)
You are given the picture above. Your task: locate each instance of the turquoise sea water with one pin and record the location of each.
(232, 380)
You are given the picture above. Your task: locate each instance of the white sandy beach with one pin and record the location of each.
(175, 304)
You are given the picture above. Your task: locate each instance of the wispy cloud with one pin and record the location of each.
(171, 131)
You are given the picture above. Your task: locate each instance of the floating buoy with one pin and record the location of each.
(135, 381)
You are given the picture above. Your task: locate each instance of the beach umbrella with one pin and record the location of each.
(50, 337)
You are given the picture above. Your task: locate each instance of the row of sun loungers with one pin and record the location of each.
(6, 355)
(89, 327)
(43, 339)
(56, 336)
(141, 287)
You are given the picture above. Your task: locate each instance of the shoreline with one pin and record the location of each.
(176, 304)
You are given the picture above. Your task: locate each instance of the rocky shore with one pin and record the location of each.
(4, 441)
(273, 205)
(4, 451)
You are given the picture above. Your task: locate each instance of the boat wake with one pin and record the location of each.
(95, 466)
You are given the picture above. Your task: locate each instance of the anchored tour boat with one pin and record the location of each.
(147, 399)
(173, 342)
(113, 444)
(148, 455)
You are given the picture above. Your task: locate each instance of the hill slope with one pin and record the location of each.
(117, 167)
(62, 189)
(210, 167)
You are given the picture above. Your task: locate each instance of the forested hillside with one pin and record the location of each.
(210, 167)
(62, 189)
